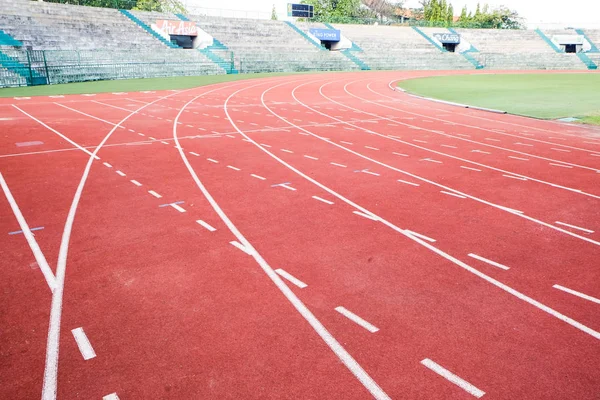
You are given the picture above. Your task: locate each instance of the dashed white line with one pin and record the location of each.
(356, 319)
(323, 200)
(576, 293)
(469, 168)
(341, 141)
(265, 145)
(230, 136)
(519, 158)
(453, 194)
(370, 173)
(241, 247)
(458, 381)
(178, 208)
(131, 130)
(400, 154)
(107, 165)
(287, 187)
(312, 158)
(338, 165)
(408, 183)
(234, 168)
(420, 236)
(561, 165)
(362, 214)
(480, 151)
(291, 278)
(574, 227)
(206, 225)
(153, 193)
(447, 145)
(563, 150)
(523, 144)
(419, 141)
(85, 347)
(120, 173)
(492, 140)
(287, 151)
(141, 134)
(212, 161)
(485, 260)
(258, 177)
(194, 154)
(136, 183)
(112, 396)
(514, 177)
(431, 160)
(372, 148)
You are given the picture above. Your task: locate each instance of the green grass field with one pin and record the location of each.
(549, 96)
(128, 85)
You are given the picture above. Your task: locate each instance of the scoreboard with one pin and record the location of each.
(300, 10)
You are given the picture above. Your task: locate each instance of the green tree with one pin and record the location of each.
(463, 15)
(166, 6)
(274, 13)
(443, 11)
(450, 15)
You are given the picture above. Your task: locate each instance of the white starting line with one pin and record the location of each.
(458, 381)
(576, 293)
(85, 347)
(356, 319)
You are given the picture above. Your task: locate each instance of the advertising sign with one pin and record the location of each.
(447, 37)
(181, 28)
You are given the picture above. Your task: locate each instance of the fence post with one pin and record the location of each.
(46, 67)
(30, 83)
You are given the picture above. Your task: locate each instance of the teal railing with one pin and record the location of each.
(587, 61)
(430, 40)
(148, 29)
(304, 35)
(594, 49)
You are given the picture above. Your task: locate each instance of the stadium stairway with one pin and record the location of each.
(148, 29)
(594, 48)
(211, 52)
(589, 64)
(429, 39)
(13, 65)
(348, 53)
(304, 35)
(7, 40)
(587, 61)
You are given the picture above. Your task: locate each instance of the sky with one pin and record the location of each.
(575, 13)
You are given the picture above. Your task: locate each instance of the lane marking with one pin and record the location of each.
(27, 144)
(400, 154)
(408, 183)
(458, 381)
(453, 194)
(258, 177)
(356, 319)
(492, 140)
(372, 148)
(212, 161)
(242, 247)
(323, 200)
(312, 158)
(233, 168)
(85, 347)
(469, 168)
(107, 165)
(285, 185)
(112, 396)
(33, 245)
(39, 228)
(563, 150)
(206, 225)
(519, 158)
(120, 173)
(480, 151)
(431, 160)
(576, 293)
(364, 215)
(366, 171)
(136, 183)
(177, 207)
(560, 165)
(574, 227)
(515, 177)
(287, 151)
(338, 165)
(194, 154)
(420, 236)
(265, 145)
(168, 204)
(485, 260)
(447, 145)
(419, 141)
(524, 144)
(153, 193)
(291, 278)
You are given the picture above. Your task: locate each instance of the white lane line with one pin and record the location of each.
(350, 143)
(372, 148)
(323, 200)
(85, 347)
(178, 208)
(206, 225)
(574, 227)
(291, 278)
(492, 140)
(212, 161)
(514, 177)
(485, 260)
(480, 151)
(287, 151)
(431, 160)
(131, 130)
(312, 158)
(576, 293)
(112, 396)
(163, 142)
(447, 145)
(563, 150)
(364, 171)
(233, 168)
(453, 194)
(519, 158)
(524, 144)
(338, 165)
(595, 155)
(560, 165)
(194, 154)
(287, 187)
(136, 183)
(107, 165)
(400, 154)
(356, 319)
(230, 136)
(141, 134)
(420, 236)
(120, 173)
(458, 381)
(258, 177)
(265, 145)
(462, 134)
(364, 215)
(419, 141)
(35, 248)
(242, 247)
(469, 168)
(408, 183)
(153, 193)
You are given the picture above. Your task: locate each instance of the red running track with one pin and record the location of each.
(315, 237)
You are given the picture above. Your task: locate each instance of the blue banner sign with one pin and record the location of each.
(326, 35)
(447, 37)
